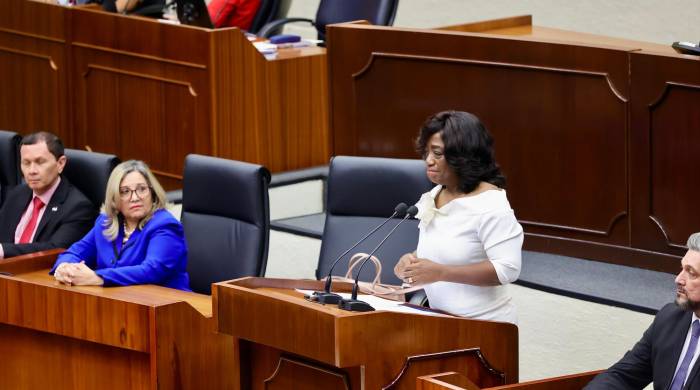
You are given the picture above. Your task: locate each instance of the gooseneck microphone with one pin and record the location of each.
(326, 296)
(353, 304)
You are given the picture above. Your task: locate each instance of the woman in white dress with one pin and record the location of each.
(470, 243)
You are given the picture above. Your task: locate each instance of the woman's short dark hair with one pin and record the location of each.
(468, 148)
(53, 143)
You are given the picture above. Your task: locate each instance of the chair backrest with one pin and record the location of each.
(268, 11)
(226, 217)
(89, 172)
(10, 174)
(362, 192)
(377, 12)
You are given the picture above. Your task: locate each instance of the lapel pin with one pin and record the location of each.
(54, 208)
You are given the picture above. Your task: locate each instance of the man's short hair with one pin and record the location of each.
(694, 242)
(54, 144)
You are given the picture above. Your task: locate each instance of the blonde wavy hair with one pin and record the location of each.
(110, 206)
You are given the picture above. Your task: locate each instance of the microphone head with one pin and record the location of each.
(412, 211)
(400, 209)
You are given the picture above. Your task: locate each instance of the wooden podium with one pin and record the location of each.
(455, 381)
(283, 341)
(138, 337)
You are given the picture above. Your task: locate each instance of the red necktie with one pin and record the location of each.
(29, 229)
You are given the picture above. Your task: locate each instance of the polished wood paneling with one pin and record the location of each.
(33, 68)
(154, 91)
(568, 133)
(137, 337)
(665, 141)
(557, 156)
(274, 319)
(456, 381)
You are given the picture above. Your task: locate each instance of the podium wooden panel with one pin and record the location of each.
(137, 337)
(455, 381)
(284, 341)
(569, 116)
(140, 88)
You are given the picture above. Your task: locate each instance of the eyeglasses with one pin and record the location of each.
(141, 191)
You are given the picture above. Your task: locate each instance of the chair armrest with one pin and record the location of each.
(267, 29)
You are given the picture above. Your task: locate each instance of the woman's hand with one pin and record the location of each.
(62, 272)
(413, 270)
(77, 274)
(400, 267)
(423, 271)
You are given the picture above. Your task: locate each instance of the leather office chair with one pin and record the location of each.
(362, 192)
(89, 172)
(269, 10)
(377, 12)
(10, 174)
(226, 217)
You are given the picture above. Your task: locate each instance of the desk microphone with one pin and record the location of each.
(326, 296)
(353, 304)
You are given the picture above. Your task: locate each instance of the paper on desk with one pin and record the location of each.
(384, 304)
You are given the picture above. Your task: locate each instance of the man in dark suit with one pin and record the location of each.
(668, 351)
(47, 212)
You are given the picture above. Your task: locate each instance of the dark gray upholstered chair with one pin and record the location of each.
(10, 174)
(361, 193)
(89, 172)
(377, 12)
(226, 217)
(269, 10)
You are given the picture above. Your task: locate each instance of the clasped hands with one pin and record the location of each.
(77, 274)
(413, 270)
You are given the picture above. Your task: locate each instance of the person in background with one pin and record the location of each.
(668, 352)
(46, 212)
(233, 13)
(134, 241)
(469, 243)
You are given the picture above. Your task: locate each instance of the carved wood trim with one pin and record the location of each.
(166, 174)
(447, 354)
(140, 75)
(137, 55)
(293, 361)
(656, 103)
(612, 224)
(30, 35)
(376, 55)
(50, 60)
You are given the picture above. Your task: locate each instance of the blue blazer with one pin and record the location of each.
(155, 255)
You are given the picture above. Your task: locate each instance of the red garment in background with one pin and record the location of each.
(233, 13)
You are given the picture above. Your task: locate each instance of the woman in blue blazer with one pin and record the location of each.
(135, 240)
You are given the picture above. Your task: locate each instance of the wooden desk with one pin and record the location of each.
(596, 135)
(283, 341)
(456, 381)
(139, 88)
(139, 337)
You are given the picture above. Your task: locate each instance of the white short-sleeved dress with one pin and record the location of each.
(469, 230)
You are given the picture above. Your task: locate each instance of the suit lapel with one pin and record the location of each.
(54, 208)
(14, 207)
(679, 332)
(693, 374)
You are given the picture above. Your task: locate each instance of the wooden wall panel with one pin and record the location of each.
(558, 113)
(33, 69)
(665, 143)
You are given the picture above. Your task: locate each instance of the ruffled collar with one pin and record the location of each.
(427, 210)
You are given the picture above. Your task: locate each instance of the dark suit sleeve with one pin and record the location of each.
(75, 224)
(633, 371)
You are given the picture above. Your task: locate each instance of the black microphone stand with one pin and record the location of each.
(353, 304)
(326, 296)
